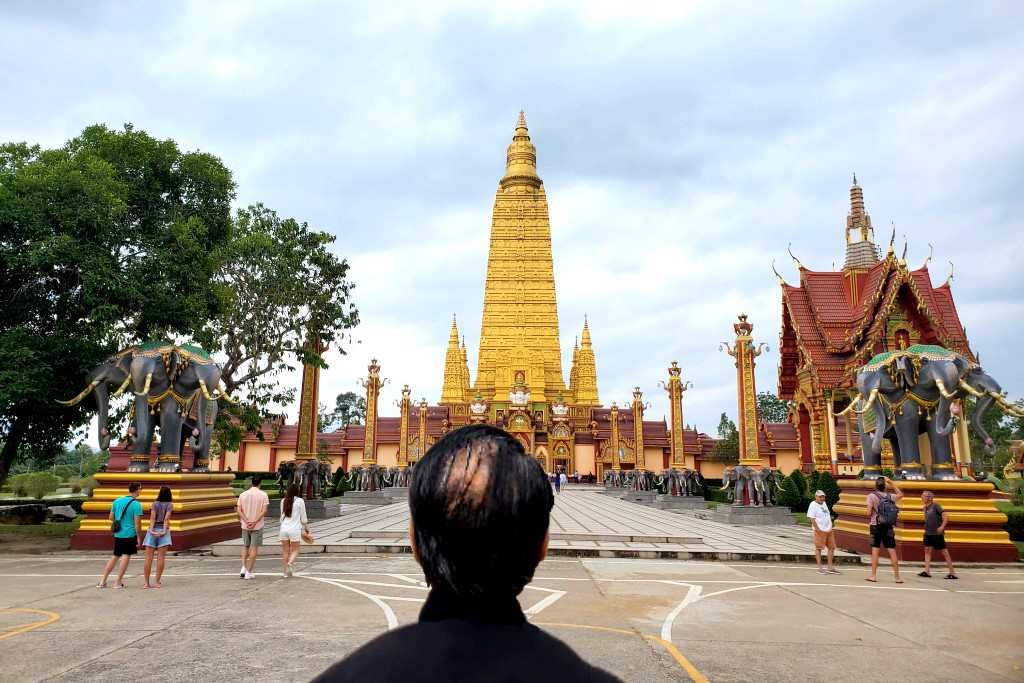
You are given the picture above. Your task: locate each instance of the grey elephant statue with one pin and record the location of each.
(741, 479)
(309, 479)
(766, 484)
(113, 373)
(913, 392)
(285, 473)
(614, 478)
(694, 483)
(672, 482)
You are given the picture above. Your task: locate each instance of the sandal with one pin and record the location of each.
(145, 586)
(101, 585)
(899, 580)
(952, 576)
(871, 580)
(925, 575)
(158, 585)
(120, 586)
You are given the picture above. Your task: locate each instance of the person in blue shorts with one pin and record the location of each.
(158, 538)
(126, 523)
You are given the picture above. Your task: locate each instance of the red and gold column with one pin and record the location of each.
(613, 418)
(403, 436)
(638, 428)
(309, 402)
(746, 392)
(372, 384)
(675, 389)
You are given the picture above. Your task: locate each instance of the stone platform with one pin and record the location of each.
(749, 515)
(975, 532)
(667, 502)
(379, 497)
(203, 509)
(583, 524)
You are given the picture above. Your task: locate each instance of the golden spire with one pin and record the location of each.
(575, 362)
(453, 390)
(586, 371)
(466, 384)
(861, 252)
(521, 159)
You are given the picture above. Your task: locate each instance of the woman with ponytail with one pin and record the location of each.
(293, 524)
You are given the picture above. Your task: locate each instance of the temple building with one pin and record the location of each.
(520, 383)
(834, 322)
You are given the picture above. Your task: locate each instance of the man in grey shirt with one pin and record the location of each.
(935, 521)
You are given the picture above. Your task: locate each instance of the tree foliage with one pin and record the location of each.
(349, 408)
(105, 241)
(280, 287)
(727, 448)
(1001, 428)
(789, 494)
(827, 483)
(771, 408)
(799, 481)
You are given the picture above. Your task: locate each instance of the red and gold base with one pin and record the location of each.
(975, 533)
(203, 512)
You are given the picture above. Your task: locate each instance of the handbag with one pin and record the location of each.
(307, 536)
(115, 525)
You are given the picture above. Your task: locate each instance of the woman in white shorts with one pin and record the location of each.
(293, 523)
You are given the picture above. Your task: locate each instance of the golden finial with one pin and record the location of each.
(779, 277)
(931, 250)
(950, 278)
(789, 248)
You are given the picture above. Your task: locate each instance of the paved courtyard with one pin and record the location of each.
(645, 620)
(583, 523)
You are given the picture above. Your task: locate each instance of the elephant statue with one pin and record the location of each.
(766, 485)
(913, 392)
(694, 483)
(285, 474)
(113, 372)
(741, 478)
(308, 477)
(174, 383)
(614, 478)
(672, 482)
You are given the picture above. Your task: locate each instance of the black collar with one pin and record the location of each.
(443, 603)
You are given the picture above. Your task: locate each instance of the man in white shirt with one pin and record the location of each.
(824, 534)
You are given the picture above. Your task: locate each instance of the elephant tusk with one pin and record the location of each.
(124, 385)
(852, 406)
(867, 405)
(942, 390)
(206, 392)
(971, 390)
(145, 387)
(78, 399)
(1008, 408)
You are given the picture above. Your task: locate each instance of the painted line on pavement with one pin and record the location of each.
(24, 628)
(692, 596)
(695, 675)
(389, 614)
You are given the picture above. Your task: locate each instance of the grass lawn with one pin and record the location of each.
(801, 518)
(55, 529)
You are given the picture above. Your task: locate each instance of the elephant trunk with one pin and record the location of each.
(984, 403)
(880, 425)
(945, 421)
(103, 403)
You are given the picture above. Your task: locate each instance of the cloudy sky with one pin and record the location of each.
(682, 145)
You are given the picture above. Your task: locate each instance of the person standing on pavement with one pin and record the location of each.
(565, 479)
(558, 481)
(935, 521)
(126, 523)
(293, 524)
(158, 538)
(252, 511)
(882, 513)
(824, 534)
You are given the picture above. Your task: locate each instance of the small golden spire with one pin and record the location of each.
(521, 160)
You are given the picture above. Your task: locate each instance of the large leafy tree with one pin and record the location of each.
(282, 288)
(111, 239)
(349, 408)
(771, 408)
(727, 447)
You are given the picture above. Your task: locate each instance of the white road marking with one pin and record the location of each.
(389, 614)
(692, 595)
(543, 604)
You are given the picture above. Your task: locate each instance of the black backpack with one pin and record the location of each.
(887, 512)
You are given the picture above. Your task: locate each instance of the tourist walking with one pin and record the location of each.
(558, 482)
(479, 527)
(935, 521)
(252, 512)
(824, 534)
(565, 479)
(882, 514)
(158, 538)
(126, 525)
(293, 525)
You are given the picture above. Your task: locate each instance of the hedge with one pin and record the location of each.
(244, 475)
(75, 502)
(790, 495)
(1014, 520)
(799, 481)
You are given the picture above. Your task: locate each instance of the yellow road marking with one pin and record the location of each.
(15, 630)
(691, 671)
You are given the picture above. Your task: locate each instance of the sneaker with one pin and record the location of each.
(249, 576)
(291, 570)
(822, 571)
(834, 571)
(241, 572)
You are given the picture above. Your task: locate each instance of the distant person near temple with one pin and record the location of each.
(480, 514)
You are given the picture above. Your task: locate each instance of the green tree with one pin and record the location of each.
(349, 408)
(771, 408)
(280, 286)
(109, 240)
(799, 481)
(727, 448)
(1001, 428)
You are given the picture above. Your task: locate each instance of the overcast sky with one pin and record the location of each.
(682, 146)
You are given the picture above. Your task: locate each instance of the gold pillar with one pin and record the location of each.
(831, 426)
(613, 417)
(746, 393)
(372, 384)
(309, 405)
(423, 428)
(675, 389)
(638, 428)
(403, 436)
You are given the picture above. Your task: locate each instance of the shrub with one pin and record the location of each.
(76, 485)
(789, 495)
(1014, 521)
(41, 483)
(828, 484)
(19, 484)
(714, 492)
(813, 484)
(799, 481)
(339, 483)
(64, 472)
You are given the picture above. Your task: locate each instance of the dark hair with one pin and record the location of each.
(134, 486)
(880, 484)
(289, 499)
(480, 510)
(165, 495)
(256, 480)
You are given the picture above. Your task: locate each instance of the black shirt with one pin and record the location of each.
(932, 519)
(465, 640)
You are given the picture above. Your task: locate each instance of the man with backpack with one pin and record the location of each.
(126, 524)
(882, 515)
